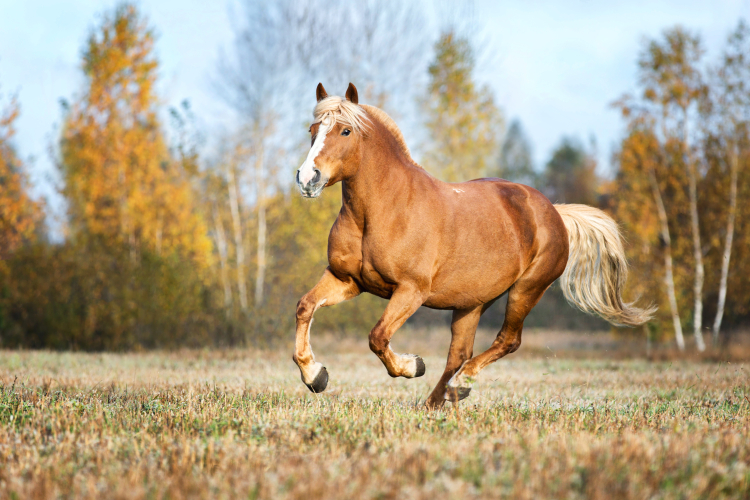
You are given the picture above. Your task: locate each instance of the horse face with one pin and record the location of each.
(333, 156)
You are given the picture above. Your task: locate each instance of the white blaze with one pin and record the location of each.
(307, 170)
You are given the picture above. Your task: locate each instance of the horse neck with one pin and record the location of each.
(383, 172)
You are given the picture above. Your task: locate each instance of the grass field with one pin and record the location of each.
(240, 424)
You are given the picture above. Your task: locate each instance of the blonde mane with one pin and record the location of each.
(357, 116)
(340, 110)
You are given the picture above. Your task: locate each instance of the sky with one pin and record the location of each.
(555, 65)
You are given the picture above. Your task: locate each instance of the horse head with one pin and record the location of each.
(336, 137)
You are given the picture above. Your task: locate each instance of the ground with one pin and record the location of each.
(240, 423)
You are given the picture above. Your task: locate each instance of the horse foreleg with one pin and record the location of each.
(523, 296)
(328, 292)
(463, 329)
(404, 302)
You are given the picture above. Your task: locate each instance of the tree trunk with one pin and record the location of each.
(221, 245)
(697, 252)
(698, 256)
(733, 168)
(260, 277)
(668, 278)
(239, 248)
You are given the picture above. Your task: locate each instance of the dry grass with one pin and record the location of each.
(226, 424)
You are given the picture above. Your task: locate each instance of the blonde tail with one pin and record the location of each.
(597, 269)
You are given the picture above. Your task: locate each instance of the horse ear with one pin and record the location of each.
(320, 92)
(351, 94)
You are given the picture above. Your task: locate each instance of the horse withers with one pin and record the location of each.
(406, 236)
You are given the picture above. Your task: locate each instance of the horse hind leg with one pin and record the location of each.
(463, 329)
(522, 297)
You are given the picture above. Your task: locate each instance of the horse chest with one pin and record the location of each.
(364, 270)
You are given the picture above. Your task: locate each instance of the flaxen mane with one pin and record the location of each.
(357, 116)
(390, 125)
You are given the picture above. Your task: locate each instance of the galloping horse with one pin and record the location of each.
(406, 236)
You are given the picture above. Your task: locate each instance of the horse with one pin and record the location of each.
(406, 236)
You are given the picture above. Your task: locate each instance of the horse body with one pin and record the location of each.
(461, 245)
(406, 236)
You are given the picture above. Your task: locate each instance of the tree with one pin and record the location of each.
(637, 187)
(281, 51)
(134, 225)
(121, 184)
(516, 163)
(20, 216)
(673, 84)
(462, 120)
(570, 175)
(731, 103)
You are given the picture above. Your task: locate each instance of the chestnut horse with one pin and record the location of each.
(406, 236)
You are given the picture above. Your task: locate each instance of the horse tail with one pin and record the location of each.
(597, 268)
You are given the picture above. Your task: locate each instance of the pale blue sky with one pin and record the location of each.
(555, 65)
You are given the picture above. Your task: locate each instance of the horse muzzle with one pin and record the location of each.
(313, 187)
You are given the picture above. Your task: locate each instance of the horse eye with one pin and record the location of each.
(346, 132)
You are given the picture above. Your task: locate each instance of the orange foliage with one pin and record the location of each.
(20, 216)
(121, 183)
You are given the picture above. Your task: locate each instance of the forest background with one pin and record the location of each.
(168, 242)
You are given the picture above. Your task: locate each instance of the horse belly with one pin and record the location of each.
(468, 288)
(484, 260)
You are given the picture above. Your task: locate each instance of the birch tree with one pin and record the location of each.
(732, 89)
(281, 51)
(673, 84)
(639, 160)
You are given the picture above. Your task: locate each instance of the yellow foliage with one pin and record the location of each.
(120, 181)
(20, 216)
(463, 122)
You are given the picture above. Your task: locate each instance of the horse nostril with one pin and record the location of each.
(297, 176)
(316, 177)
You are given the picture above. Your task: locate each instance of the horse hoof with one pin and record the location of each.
(321, 381)
(420, 367)
(456, 394)
(414, 367)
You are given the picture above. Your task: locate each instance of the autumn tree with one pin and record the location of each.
(20, 216)
(462, 120)
(139, 239)
(729, 103)
(640, 206)
(673, 85)
(121, 184)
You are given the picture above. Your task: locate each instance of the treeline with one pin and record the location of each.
(683, 184)
(177, 239)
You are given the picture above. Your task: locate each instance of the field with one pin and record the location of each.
(541, 423)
